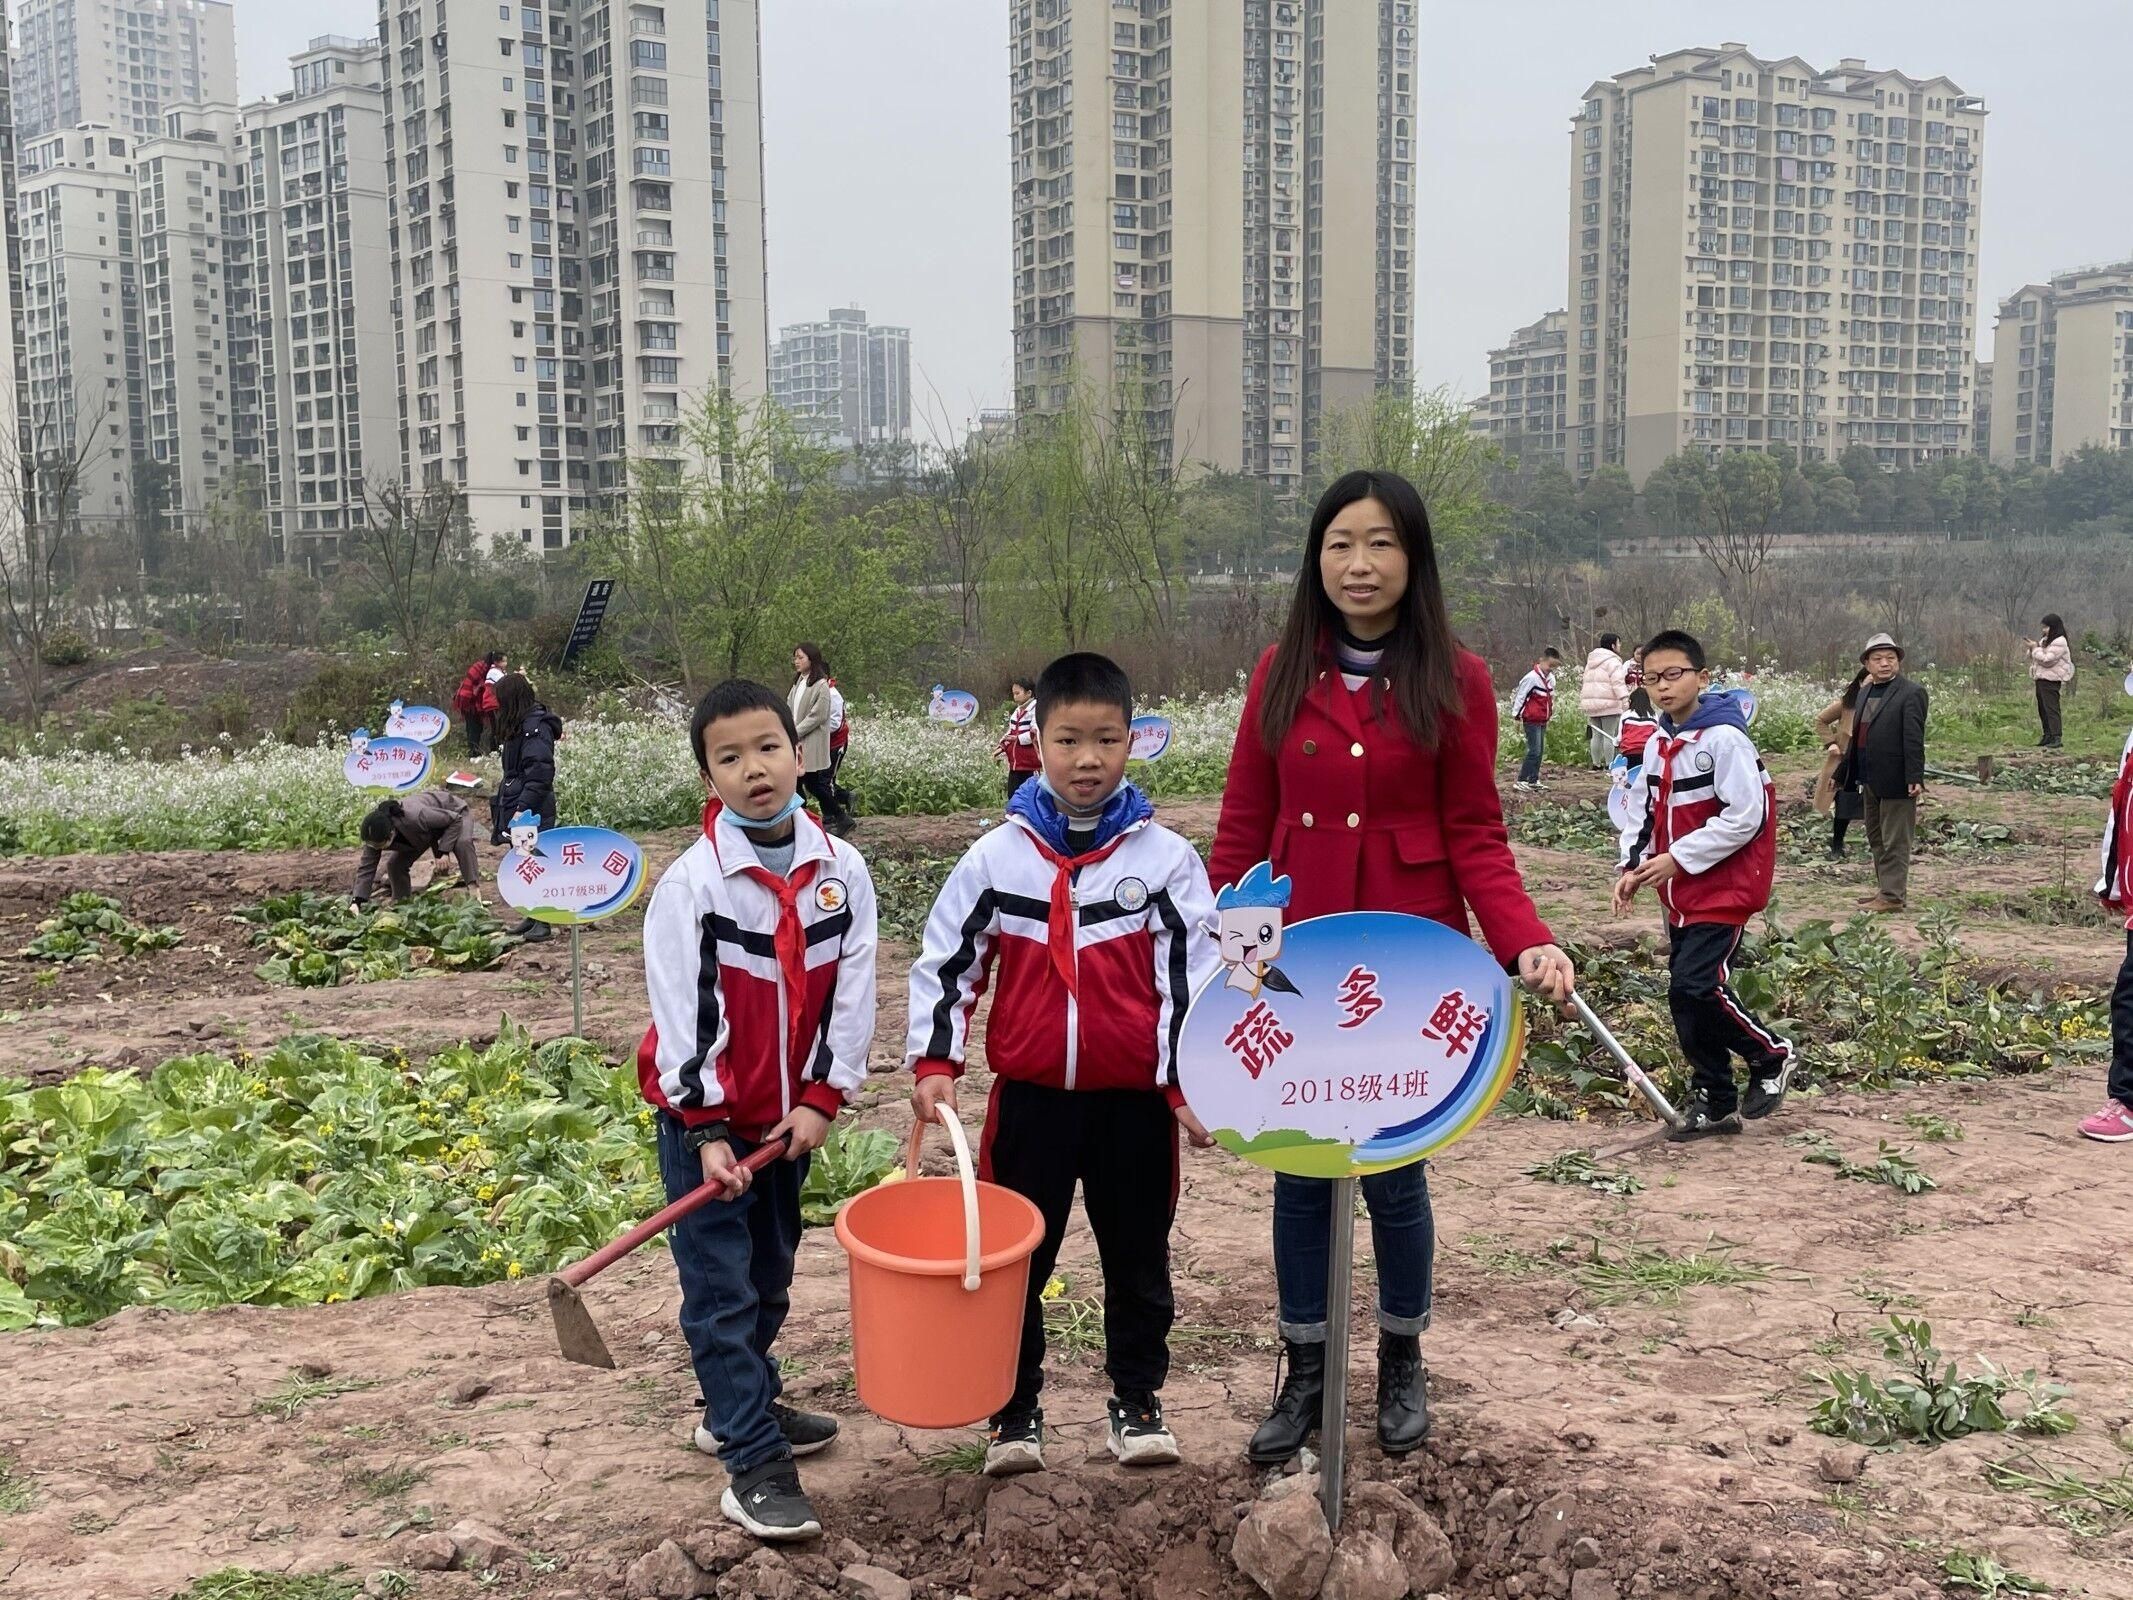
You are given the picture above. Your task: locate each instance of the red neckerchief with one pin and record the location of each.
(790, 941)
(1669, 746)
(1061, 921)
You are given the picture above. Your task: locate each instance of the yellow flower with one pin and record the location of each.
(486, 1192)
(389, 1226)
(514, 1271)
(331, 1298)
(1054, 1287)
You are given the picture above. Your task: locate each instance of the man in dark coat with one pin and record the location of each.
(1888, 763)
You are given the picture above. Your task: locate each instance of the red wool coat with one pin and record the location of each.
(1364, 819)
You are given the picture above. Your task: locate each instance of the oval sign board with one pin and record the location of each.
(952, 706)
(2129, 683)
(1149, 738)
(569, 875)
(398, 765)
(423, 724)
(1748, 704)
(1366, 1041)
(1622, 793)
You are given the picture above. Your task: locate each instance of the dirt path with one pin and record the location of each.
(155, 1447)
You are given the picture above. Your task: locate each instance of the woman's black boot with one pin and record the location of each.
(1294, 1419)
(1403, 1412)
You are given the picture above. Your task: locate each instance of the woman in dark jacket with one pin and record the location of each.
(528, 732)
(1365, 770)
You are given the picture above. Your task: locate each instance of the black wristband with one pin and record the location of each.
(707, 1133)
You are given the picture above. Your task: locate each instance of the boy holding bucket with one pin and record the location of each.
(759, 959)
(1097, 917)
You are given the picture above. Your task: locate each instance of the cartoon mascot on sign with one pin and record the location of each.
(526, 833)
(1248, 920)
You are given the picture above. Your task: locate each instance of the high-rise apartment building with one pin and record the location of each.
(17, 499)
(1981, 411)
(577, 242)
(190, 205)
(122, 63)
(1214, 216)
(328, 412)
(80, 316)
(1767, 255)
(1526, 411)
(2062, 364)
(845, 380)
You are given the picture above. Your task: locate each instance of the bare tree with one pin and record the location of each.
(405, 549)
(1136, 508)
(965, 498)
(43, 467)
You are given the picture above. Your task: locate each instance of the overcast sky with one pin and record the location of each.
(887, 148)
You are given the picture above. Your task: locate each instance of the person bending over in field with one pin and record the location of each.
(396, 831)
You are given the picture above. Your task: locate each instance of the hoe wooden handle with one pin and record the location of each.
(607, 1255)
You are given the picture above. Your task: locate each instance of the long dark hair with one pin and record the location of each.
(1419, 652)
(1850, 697)
(2054, 627)
(817, 668)
(514, 703)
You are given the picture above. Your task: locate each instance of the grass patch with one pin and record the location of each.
(17, 1491)
(298, 1391)
(1967, 1572)
(954, 1459)
(1934, 1129)
(1890, 1166)
(1492, 1253)
(240, 1583)
(1928, 1401)
(1578, 1167)
(2086, 1505)
(387, 1483)
(1651, 1272)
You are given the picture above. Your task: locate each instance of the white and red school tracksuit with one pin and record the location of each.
(2116, 889)
(1707, 801)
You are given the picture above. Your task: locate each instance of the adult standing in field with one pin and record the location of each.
(394, 832)
(2051, 664)
(1603, 695)
(1365, 771)
(1888, 764)
(527, 733)
(1835, 795)
(471, 698)
(810, 702)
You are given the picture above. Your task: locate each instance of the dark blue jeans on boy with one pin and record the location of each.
(735, 1259)
(1529, 770)
(1403, 1236)
(2121, 1079)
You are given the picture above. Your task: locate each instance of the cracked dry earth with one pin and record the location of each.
(1670, 1434)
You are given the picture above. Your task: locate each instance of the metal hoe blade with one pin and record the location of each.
(576, 1334)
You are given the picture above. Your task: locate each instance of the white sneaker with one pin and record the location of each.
(1139, 1436)
(1016, 1445)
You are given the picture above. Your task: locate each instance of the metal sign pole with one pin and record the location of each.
(577, 986)
(1333, 1414)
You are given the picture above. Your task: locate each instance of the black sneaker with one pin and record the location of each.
(769, 1502)
(532, 932)
(1016, 1445)
(1139, 1436)
(805, 1431)
(1767, 1090)
(1698, 1123)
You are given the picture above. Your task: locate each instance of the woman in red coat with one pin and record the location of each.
(1365, 771)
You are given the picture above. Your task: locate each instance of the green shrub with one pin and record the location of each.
(66, 647)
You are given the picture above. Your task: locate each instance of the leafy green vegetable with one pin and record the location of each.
(1891, 1166)
(320, 940)
(1929, 1402)
(853, 1159)
(85, 923)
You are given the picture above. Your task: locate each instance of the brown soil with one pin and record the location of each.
(267, 679)
(1672, 1434)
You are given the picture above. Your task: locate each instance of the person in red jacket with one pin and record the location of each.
(1365, 771)
(475, 699)
(2114, 1123)
(1018, 746)
(1703, 835)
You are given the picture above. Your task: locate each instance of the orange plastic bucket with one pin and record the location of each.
(940, 1271)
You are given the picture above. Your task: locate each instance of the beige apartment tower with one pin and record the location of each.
(1766, 255)
(1214, 216)
(119, 62)
(1526, 413)
(576, 243)
(2062, 363)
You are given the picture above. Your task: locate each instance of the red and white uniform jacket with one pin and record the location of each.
(1019, 743)
(2116, 884)
(1707, 801)
(1534, 698)
(758, 1005)
(1102, 1006)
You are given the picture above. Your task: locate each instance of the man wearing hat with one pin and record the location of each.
(1888, 762)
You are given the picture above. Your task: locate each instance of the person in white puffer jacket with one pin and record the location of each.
(1603, 697)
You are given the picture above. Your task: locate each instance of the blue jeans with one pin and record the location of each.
(1529, 770)
(1403, 1235)
(734, 1258)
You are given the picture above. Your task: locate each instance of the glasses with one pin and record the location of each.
(1670, 675)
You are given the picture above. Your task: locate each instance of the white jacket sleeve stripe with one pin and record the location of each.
(681, 979)
(951, 967)
(1186, 955)
(1637, 837)
(1738, 782)
(849, 1031)
(2107, 885)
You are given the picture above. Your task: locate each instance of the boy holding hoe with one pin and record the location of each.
(1097, 917)
(759, 958)
(1703, 835)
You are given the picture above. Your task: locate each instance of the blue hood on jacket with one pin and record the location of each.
(1035, 804)
(1715, 708)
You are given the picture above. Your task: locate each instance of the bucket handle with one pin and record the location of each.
(969, 1177)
